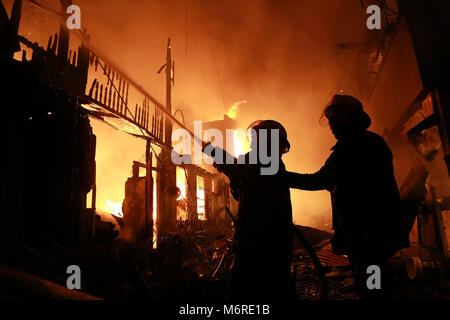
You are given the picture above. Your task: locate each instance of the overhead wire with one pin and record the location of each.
(85, 41)
(82, 36)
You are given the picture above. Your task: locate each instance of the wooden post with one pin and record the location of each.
(208, 198)
(440, 225)
(16, 13)
(148, 193)
(441, 103)
(191, 195)
(94, 200)
(94, 195)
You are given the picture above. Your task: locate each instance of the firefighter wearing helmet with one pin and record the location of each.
(262, 242)
(368, 220)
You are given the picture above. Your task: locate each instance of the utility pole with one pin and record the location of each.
(166, 204)
(169, 82)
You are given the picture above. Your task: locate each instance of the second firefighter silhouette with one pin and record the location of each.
(368, 219)
(263, 237)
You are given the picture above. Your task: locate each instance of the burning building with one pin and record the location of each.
(65, 89)
(169, 235)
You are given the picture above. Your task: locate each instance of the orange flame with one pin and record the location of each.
(181, 183)
(241, 143)
(232, 113)
(114, 208)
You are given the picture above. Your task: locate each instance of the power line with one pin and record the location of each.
(81, 35)
(85, 41)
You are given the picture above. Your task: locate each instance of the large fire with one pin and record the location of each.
(241, 144)
(114, 208)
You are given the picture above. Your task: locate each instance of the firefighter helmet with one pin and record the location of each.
(272, 124)
(348, 107)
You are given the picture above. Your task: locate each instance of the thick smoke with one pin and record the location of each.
(280, 56)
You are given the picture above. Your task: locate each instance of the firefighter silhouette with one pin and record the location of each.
(262, 242)
(368, 220)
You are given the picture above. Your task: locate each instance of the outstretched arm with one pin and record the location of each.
(229, 165)
(324, 179)
(311, 182)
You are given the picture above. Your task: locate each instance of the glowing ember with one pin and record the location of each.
(114, 208)
(232, 113)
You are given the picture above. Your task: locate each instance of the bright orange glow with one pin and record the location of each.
(181, 183)
(181, 200)
(201, 198)
(114, 208)
(241, 144)
(232, 113)
(155, 222)
(237, 144)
